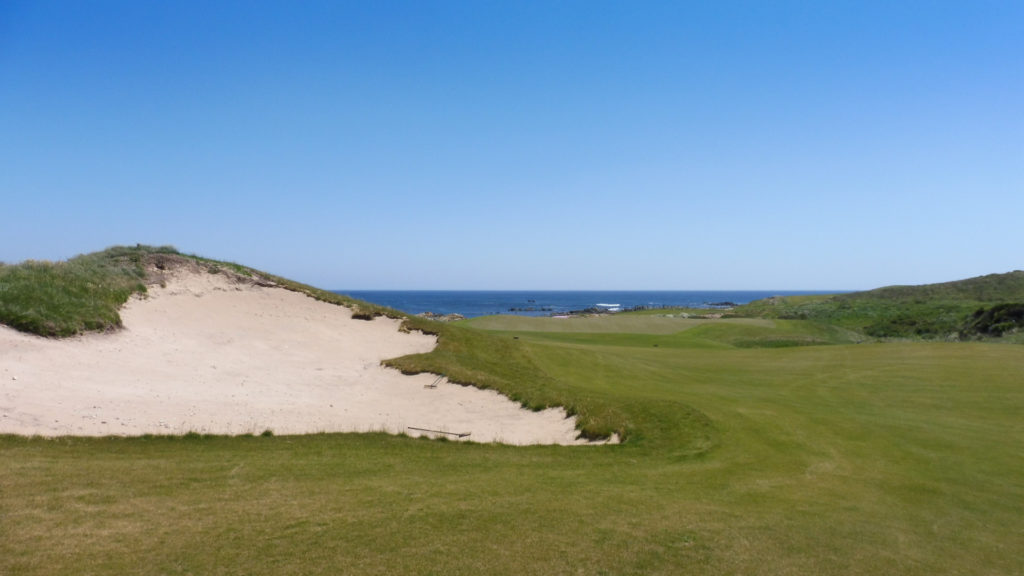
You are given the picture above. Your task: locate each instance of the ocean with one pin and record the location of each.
(472, 303)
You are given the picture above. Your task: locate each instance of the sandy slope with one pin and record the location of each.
(210, 355)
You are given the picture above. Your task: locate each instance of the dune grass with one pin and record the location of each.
(80, 295)
(84, 294)
(826, 459)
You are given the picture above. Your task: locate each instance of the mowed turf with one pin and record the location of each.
(740, 458)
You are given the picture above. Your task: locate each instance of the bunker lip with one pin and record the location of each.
(209, 354)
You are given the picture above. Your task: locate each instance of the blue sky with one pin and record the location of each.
(522, 145)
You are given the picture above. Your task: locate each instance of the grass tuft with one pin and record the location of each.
(82, 294)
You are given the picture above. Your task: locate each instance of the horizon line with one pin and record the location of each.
(823, 291)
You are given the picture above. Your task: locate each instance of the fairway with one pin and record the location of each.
(826, 459)
(616, 323)
(265, 269)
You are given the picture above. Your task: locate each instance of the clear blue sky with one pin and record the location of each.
(522, 145)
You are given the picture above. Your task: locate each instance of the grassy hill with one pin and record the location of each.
(991, 288)
(751, 448)
(934, 311)
(84, 294)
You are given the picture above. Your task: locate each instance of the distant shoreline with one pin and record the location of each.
(473, 303)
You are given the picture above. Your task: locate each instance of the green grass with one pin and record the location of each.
(631, 322)
(999, 320)
(753, 446)
(990, 288)
(85, 293)
(897, 458)
(933, 311)
(80, 295)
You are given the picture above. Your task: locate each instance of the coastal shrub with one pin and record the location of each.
(931, 311)
(996, 321)
(922, 322)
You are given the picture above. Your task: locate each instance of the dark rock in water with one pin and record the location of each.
(441, 317)
(723, 304)
(589, 311)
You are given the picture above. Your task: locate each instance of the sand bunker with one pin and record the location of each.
(211, 355)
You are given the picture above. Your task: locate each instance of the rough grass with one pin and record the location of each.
(933, 311)
(1008, 287)
(999, 320)
(85, 293)
(79, 295)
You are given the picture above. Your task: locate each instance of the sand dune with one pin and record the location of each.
(208, 354)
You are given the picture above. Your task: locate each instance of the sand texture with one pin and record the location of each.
(209, 354)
